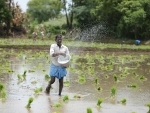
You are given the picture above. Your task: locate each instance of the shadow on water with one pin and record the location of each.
(90, 77)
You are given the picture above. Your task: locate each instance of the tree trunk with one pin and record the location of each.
(8, 20)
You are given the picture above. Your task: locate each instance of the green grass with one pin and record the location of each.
(25, 42)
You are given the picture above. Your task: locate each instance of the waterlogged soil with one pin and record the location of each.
(80, 86)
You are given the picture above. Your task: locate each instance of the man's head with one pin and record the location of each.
(58, 40)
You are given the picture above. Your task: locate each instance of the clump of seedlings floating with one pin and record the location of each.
(30, 100)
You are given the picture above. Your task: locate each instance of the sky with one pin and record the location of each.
(22, 4)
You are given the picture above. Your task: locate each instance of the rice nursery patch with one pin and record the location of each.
(99, 78)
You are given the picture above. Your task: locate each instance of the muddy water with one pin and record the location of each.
(37, 65)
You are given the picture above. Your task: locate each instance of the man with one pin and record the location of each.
(56, 69)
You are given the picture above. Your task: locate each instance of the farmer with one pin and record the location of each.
(34, 34)
(56, 69)
(42, 34)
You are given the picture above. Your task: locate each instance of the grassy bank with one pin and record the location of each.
(45, 44)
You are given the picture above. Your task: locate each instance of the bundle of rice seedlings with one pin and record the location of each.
(89, 110)
(30, 100)
(99, 102)
(65, 98)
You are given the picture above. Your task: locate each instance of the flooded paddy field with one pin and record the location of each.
(105, 82)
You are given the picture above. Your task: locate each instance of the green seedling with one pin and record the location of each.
(135, 74)
(10, 71)
(77, 96)
(132, 85)
(57, 105)
(24, 74)
(99, 102)
(106, 77)
(65, 98)
(19, 77)
(81, 79)
(113, 91)
(123, 101)
(148, 105)
(99, 88)
(1, 87)
(67, 83)
(37, 90)
(47, 77)
(115, 77)
(3, 94)
(89, 110)
(43, 70)
(143, 78)
(96, 81)
(30, 100)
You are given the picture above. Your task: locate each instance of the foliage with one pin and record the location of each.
(43, 10)
(11, 18)
(69, 13)
(4, 12)
(82, 10)
(125, 18)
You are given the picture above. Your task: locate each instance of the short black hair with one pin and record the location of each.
(58, 36)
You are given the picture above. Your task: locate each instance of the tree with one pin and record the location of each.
(11, 16)
(133, 16)
(5, 15)
(68, 13)
(125, 18)
(43, 10)
(82, 10)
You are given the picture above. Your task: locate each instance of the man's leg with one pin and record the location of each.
(50, 83)
(60, 86)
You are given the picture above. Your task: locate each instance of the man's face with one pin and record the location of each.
(59, 41)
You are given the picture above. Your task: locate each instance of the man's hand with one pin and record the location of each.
(57, 54)
(63, 54)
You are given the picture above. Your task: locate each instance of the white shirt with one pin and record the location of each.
(54, 48)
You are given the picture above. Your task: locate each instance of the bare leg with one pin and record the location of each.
(49, 84)
(60, 86)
